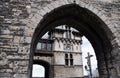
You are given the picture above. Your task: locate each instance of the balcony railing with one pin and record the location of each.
(43, 52)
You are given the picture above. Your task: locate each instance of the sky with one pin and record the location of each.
(87, 47)
(38, 71)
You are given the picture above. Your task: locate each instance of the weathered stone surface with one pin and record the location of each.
(16, 31)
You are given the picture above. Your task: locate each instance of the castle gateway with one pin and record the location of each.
(24, 22)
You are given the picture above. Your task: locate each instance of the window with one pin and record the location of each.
(38, 46)
(49, 46)
(44, 46)
(71, 59)
(68, 59)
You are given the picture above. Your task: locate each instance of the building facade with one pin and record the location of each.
(66, 56)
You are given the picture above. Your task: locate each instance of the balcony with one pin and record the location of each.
(43, 52)
(44, 47)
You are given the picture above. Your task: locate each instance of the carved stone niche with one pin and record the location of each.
(3, 59)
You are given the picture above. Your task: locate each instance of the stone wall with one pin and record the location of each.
(19, 18)
(13, 49)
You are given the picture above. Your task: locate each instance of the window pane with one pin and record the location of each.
(44, 46)
(49, 47)
(71, 62)
(71, 56)
(66, 56)
(66, 62)
(38, 46)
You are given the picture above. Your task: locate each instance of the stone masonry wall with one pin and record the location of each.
(18, 21)
(13, 48)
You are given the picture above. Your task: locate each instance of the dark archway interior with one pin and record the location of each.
(87, 23)
(46, 65)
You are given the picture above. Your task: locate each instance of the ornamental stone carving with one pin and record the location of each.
(3, 59)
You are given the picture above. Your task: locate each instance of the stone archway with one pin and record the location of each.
(22, 21)
(75, 15)
(46, 65)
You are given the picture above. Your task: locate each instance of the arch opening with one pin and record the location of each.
(38, 71)
(45, 70)
(71, 34)
(87, 23)
(87, 48)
